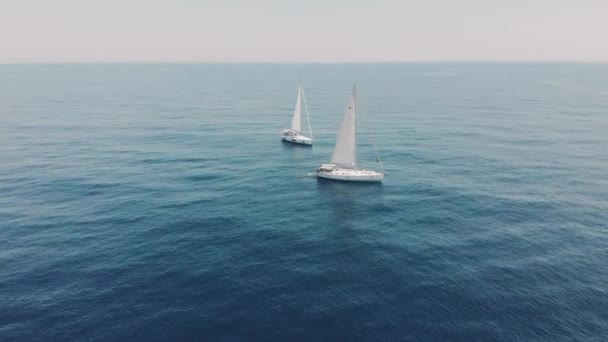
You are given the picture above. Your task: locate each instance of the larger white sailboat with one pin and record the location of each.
(344, 160)
(294, 134)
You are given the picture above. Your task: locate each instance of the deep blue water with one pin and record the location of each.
(156, 202)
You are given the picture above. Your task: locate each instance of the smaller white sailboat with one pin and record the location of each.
(294, 134)
(344, 160)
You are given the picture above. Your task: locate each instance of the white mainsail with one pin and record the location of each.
(295, 121)
(345, 152)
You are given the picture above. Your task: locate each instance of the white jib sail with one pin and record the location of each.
(345, 152)
(295, 121)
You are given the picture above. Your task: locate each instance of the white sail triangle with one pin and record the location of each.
(345, 152)
(295, 121)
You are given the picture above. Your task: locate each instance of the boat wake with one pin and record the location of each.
(307, 176)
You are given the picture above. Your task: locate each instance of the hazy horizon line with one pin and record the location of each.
(565, 61)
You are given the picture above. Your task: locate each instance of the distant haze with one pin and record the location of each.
(65, 31)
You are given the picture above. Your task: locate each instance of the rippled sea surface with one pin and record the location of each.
(156, 202)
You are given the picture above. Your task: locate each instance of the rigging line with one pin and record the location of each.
(306, 110)
(377, 154)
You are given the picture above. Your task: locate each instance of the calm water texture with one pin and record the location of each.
(156, 202)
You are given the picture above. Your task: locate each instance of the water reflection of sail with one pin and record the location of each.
(348, 201)
(296, 155)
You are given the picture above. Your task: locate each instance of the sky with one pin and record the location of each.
(82, 31)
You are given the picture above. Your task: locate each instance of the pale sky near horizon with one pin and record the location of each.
(65, 31)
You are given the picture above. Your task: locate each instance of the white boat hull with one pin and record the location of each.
(298, 140)
(295, 137)
(349, 175)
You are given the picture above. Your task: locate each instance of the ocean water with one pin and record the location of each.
(155, 202)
